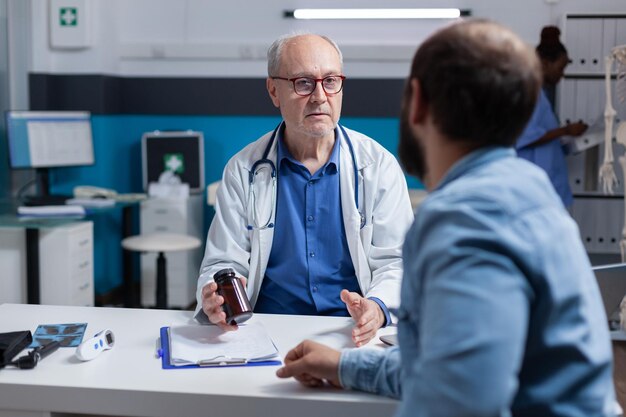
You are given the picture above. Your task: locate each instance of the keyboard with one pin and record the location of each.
(45, 200)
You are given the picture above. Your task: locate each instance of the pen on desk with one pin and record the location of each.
(30, 360)
(158, 351)
(222, 361)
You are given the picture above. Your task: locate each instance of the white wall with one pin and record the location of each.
(4, 95)
(19, 52)
(229, 38)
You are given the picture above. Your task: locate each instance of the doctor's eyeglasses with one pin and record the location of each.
(305, 86)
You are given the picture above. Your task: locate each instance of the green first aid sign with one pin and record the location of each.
(174, 162)
(68, 16)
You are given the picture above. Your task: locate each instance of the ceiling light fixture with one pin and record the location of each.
(376, 13)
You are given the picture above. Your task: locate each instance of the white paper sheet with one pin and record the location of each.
(197, 344)
(50, 211)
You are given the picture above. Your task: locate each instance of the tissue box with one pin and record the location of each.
(162, 190)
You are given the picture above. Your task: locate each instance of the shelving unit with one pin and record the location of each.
(588, 39)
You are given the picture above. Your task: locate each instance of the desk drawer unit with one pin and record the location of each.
(184, 216)
(65, 264)
(70, 256)
(163, 216)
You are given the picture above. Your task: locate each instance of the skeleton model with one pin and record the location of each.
(608, 180)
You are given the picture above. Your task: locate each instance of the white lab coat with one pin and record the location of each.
(375, 249)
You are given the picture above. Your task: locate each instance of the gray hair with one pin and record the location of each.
(274, 53)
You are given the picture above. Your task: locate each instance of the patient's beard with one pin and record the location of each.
(410, 148)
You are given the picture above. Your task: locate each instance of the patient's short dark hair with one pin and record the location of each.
(479, 80)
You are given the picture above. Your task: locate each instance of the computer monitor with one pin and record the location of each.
(49, 139)
(181, 152)
(612, 282)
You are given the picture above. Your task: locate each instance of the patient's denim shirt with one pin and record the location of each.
(500, 312)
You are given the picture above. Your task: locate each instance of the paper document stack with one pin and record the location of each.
(51, 211)
(590, 138)
(208, 345)
(91, 202)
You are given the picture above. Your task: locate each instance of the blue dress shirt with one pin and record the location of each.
(500, 312)
(550, 155)
(310, 262)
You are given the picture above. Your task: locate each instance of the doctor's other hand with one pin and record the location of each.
(576, 129)
(312, 364)
(212, 305)
(366, 313)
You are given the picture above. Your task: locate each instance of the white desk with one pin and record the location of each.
(128, 380)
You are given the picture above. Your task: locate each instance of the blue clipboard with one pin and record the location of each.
(164, 353)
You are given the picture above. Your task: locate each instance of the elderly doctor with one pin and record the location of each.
(311, 216)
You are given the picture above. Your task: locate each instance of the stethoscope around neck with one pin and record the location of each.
(265, 163)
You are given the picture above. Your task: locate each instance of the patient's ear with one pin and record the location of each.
(418, 108)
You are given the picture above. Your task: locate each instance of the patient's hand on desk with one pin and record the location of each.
(367, 315)
(212, 306)
(312, 364)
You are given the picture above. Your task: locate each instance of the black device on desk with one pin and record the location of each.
(12, 343)
(45, 200)
(390, 339)
(30, 360)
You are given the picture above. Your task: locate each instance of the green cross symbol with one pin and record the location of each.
(174, 162)
(68, 16)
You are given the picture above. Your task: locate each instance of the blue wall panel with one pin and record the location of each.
(118, 165)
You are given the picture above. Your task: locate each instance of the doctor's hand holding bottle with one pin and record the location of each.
(225, 301)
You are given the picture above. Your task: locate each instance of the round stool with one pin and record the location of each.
(160, 243)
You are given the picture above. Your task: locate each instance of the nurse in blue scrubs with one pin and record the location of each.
(540, 142)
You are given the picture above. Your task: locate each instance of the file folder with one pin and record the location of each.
(164, 353)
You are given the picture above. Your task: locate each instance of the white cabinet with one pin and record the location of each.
(599, 219)
(184, 216)
(65, 264)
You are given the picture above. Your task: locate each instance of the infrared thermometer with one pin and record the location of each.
(91, 348)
